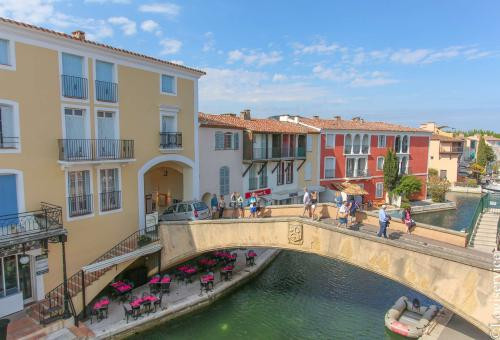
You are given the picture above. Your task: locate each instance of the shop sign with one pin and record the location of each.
(41, 264)
(262, 192)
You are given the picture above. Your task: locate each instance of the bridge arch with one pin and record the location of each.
(461, 284)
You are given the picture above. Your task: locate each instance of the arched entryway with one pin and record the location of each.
(164, 180)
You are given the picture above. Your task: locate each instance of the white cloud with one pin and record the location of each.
(279, 77)
(128, 26)
(352, 77)
(407, 56)
(179, 62)
(108, 1)
(254, 57)
(209, 44)
(243, 86)
(150, 26)
(168, 9)
(170, 46)
(31, 11)
(335, 74)
(320, 47)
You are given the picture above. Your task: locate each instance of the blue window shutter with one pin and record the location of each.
(224, 180)
(219, 141)
(167, 83)
(104, 71)
(72, 65)
(236, 144)
(4, 52)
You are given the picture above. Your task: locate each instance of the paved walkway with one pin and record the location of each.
(183, 297)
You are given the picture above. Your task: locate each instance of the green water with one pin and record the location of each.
(458, 219)
(300, 296)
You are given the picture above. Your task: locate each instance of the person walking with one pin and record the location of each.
(214, 206)
(383, 220)
(307, 203)
(222, 206)
(407, 220)
(343, 213)
(253, 205)
(314, 204)
(239, 203)
(232, 205)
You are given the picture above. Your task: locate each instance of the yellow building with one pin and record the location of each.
(105, 134)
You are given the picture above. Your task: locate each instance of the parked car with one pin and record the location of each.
(186, 211)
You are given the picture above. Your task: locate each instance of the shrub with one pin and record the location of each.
(405, 206)
(469, 183)
(438, 188)
(432, 172)
(408, 186)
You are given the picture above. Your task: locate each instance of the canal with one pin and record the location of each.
(300, 296)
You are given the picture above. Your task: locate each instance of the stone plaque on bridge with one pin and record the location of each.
(295, 233)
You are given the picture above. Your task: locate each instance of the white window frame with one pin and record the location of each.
(326, 140)
(324, 166)
(174, 93)
(382, 163)
(79, 168)
(85, 74)
(86, 117)
(15, 119)
(379, 145)
(12, 55)
(115, 80)
(117, 119)
(376, 189)
(99, 189)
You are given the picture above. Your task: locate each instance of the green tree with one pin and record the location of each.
(438, 188)
(391, 171)
(477, 170)
(432, 172)
(485, 153)
(408, 185)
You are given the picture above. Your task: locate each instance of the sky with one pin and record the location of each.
(403, 62)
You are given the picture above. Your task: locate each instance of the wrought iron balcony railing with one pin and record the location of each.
(74, 87)
(110, 200)
(80, 205)
(106, 91)
(48, 217)
(451, 149)
(9, 142)
(350, 173)
(71, 150)
(170, 140)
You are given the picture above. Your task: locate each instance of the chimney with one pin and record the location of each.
(358, 120)
(315, 117)
(80, 35)
(337, 118)
(245, 114)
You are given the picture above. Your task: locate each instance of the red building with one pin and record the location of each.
(354, 150)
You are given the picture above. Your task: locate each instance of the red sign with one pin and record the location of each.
(262, 192)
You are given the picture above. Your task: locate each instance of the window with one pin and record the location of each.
(9, 133)
(379, 190)
(380, 163)
(169, 137)
(308, 171)
(404, 146)
(74, 84)
(397, 144)
(381, 141)
(329, 167)
(219, 140)
(79, 193)
(110, 189)
(263, 176)
(15, 276)
(252, 178)
(224, 180)
(105, 87)
(330, 140)
(5, 52)
(236, 141)
(443, 174)
(309, 143)
(289, 173)
(356, 147)
(350, 167)
(168, 84)
(365, 145)
(281, 174)
(228, 140)
(348, 144)
(403, 165)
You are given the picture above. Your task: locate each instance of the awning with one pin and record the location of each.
(349, 188)
(148, 249)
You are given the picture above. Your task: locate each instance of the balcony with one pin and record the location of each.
(31, 225)
(276, 152)
(259, 153)
(74, 87)
(89, 150)
(253, 183)
(170, 140)
(110, 200)
(351, 173)
(9, 143)
(80, 205)
(106, 91)
(451, 149)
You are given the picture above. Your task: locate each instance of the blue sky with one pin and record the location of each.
(398, 61)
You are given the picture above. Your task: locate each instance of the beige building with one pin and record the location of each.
(105, 135)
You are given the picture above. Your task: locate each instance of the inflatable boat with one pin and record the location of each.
(408, 318)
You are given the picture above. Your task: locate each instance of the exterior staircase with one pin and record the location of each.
(52, 307)
(485, 234)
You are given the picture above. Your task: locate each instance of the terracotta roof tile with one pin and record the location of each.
(341, 124)
(254, 124)
(443, 138)
(89, 42)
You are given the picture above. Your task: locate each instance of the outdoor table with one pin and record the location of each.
(165, 284)
(188, 272)
(207, 282)
(154, 284)
(250, 257)
(226, 272)
(145, 302)
(100, 309)
(121, 288)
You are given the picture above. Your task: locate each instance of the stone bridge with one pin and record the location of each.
(453, 276)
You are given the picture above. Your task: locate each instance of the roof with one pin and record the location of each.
(443, 138)
(349, 188)
(93, 43)
(232, 121)
(340, 124)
